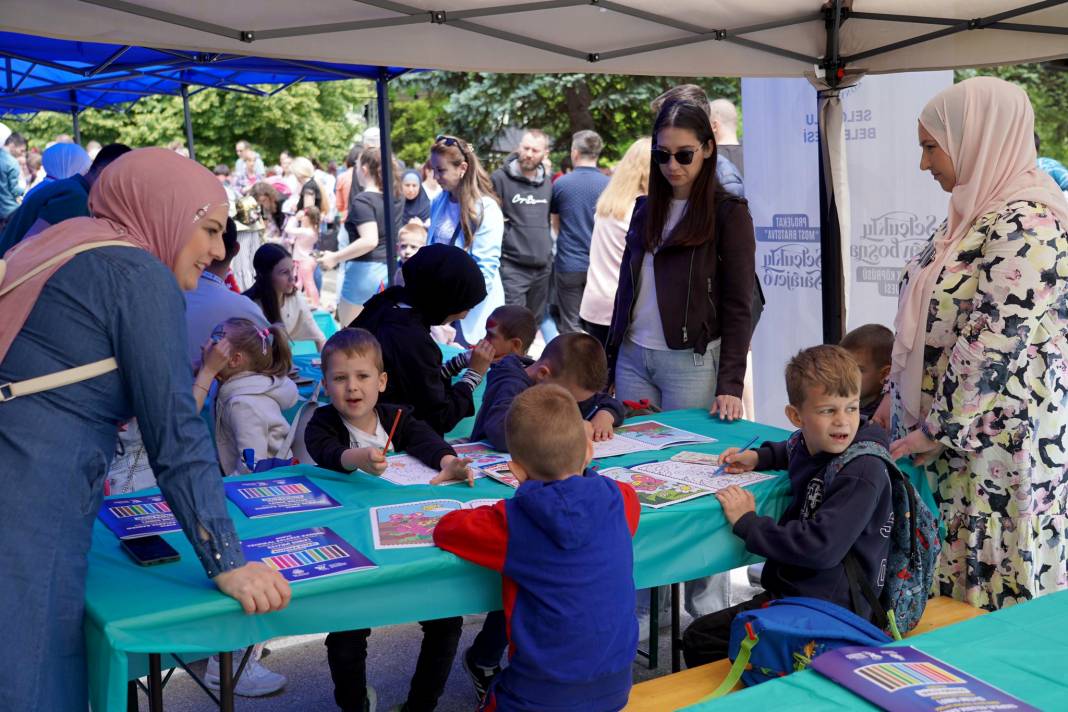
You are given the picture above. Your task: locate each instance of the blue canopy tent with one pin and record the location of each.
(70, 76)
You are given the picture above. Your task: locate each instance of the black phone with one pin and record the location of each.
(149, 550)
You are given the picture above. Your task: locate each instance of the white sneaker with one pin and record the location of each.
(372, 699)
(255, 681)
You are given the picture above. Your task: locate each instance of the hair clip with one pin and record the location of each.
(266, 339)
(201, 212)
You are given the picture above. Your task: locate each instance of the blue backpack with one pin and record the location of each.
(787, 635)
(914, 549)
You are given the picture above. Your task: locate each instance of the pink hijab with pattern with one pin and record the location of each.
(150, 198)
(986, 125)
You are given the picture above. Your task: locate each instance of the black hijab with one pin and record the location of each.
(439, 280)
(419, 206)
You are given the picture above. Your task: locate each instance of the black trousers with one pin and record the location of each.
(527, 287)
(346, 653)
(707, 638)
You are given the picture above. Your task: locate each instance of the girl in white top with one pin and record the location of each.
(254, 390)
(275, 291)
(611, 220)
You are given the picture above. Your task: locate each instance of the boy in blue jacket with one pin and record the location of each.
(823, 522)
(563, 547)
(575, 361)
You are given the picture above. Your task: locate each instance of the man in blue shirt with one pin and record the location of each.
(571, 212)
(10, 188)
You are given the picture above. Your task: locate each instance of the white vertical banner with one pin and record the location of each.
(782, 185)
(894, 206)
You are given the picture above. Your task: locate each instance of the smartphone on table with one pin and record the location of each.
(149, 550)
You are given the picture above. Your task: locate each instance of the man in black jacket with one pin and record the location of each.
(525, 190)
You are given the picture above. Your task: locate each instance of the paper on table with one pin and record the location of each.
(701, 475)
(306, 554)
(619, 445)
(411, 524)
(655, 491)
(660, 436)
(405, 470)
(697, 458)
(481, 454)
(501, 472)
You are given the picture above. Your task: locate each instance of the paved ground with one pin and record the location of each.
(391, 655)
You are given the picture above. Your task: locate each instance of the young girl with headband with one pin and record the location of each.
(254, 389)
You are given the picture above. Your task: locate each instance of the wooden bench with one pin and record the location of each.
(681, 689)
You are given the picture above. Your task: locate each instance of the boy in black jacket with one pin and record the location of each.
(805, 549)
(351, 434)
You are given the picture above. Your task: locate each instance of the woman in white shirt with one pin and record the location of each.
(275, 291)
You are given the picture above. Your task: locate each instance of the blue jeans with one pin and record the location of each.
(670, 380)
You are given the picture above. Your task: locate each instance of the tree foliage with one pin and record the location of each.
(315, 120)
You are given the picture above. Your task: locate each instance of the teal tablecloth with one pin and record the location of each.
(174, 608)
(1020, 650)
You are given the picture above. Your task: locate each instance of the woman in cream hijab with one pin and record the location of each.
(979, 381)
(122, 302)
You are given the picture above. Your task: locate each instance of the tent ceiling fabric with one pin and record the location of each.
(681, 37)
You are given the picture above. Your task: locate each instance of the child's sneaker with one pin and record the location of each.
(481, 677)
(255, 680)
(372, 700)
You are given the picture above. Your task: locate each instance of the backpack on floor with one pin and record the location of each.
(786, 635)
(914, 549)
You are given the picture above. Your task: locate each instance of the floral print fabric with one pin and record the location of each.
(995, 387)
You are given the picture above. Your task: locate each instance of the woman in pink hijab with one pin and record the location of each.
(124, 302)
(979, 379)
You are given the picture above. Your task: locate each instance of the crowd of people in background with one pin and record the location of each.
(580, 295)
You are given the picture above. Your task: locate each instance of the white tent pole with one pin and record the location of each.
(386, 148)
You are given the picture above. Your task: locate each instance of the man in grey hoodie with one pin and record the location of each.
(525, 190)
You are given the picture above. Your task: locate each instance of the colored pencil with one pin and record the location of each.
(396, 421)
(723, 466)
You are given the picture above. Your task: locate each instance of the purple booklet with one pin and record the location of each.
(306, 554)
(277, 495)
(903, 679)
(133, 517)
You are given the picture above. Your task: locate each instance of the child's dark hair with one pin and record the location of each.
(829, 367)
(267, 348)
(876, 339)
(578, 359)
(352, 342)
(545, 432)
(516, 322)
(314, 215)
(262, 290)
(371, 160)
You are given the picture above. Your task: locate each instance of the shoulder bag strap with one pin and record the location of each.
(51, 381)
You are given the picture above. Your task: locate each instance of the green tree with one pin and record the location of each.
(318, 120)
(416, 120)
(480, 106)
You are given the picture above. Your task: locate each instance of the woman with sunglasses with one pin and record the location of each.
(682, 322)
(467, 214)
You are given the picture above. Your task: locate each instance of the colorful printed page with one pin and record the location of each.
(278, 495)
(411, 524)
(619, 445)
(501, 472)
(133, 517)
(306, 554)
(481, 455)
(905, 679)
(707, 476)
(697, 458)
(405, 470)
(655, 492)
(659, 436)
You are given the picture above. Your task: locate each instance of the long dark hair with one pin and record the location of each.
(262, 290)
(371, 160)
(698, 223)
(274, 212)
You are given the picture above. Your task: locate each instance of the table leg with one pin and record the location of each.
(654, 627)
(155, 683)
(226, 681)
(676, 635)
(131, 696)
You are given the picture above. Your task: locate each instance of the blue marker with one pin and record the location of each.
(723, 466)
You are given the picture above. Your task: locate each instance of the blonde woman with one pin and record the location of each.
(614, 208)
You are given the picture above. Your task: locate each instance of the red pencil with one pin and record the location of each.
(396, 422)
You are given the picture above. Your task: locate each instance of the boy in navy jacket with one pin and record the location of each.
(563, 547)
(575, 361)
(805, 549)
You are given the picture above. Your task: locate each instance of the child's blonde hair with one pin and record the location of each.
(414, 230)
(545, 432)
(829, 367)
(267, 348)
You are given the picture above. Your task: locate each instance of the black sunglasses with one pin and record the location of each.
(451, 141)
(684, 157)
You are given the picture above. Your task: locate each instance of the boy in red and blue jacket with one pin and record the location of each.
(563, 547)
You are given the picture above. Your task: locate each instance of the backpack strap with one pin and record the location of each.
(745, 650)
(312, 402)
(11, 391)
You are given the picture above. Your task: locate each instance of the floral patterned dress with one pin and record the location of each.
(996, 383)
